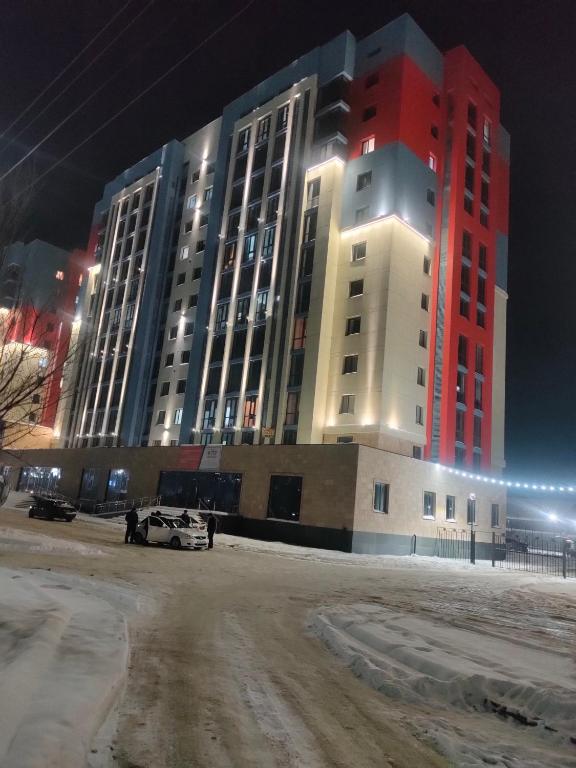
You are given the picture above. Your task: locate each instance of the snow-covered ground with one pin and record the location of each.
(63, 657)
(12, 539)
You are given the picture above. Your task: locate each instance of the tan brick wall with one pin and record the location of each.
(408, 479)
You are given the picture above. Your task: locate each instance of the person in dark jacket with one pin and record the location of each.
(211, 527)
(186, 519)
(131, 523)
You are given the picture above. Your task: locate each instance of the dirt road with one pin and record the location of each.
(223, 671)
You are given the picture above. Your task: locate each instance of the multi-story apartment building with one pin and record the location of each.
(328, 265)
(39, 288)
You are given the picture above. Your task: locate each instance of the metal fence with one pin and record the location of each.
(532, 551)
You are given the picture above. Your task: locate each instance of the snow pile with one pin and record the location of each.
(12, 540)
(445, 672)
(63, 657)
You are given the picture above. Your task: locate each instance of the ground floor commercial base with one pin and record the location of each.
(346, 497)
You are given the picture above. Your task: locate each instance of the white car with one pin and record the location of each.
(160, 529)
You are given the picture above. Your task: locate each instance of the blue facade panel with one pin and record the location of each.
(400, 181)
(401, 36)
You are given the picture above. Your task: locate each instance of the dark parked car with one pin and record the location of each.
(50, 508)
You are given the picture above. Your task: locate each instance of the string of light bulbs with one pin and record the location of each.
(508, 483)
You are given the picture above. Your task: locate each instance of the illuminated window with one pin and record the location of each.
(191, 202)
(358, 251)
(368, 146)
(487, 131)
(432, 162)
(250, 406)
(429, 504)
(299, 338)
(59, 275)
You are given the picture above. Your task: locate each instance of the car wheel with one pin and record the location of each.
(69, 519)
(30, 513)
(138, 538)
(175, 542)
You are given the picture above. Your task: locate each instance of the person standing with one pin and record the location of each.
(131, 518)
(211, 527)
(185, 517)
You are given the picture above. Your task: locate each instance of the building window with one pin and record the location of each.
(250, 407)
(381, 496)
(495, 515)
(221, 317)
(464, 307)
(461, 387)
(484, 219)
(416, 451)
(181, 386)
(486, 162)
(421, 377)
(472, 114)
(371, 80)
(477, 431)
(161, 418)
(227, 438)
(263, 129)
(200, 246)
(177, 305)
(460, 456)
(463, 351)
(173, 332)
(487, 131)
(178, 416)
(482, 257)
(419, 415)
(347, 403)
(313, 191)
(432, 162)
(368, 145)
(189, 329)
(430, 197)
(268, 242)
(361, 215)
(471, 511)
(427, 265)
(429, 510)
(424, 302)
(299, 337)
(243, 140)
(185, 356)
(208, 194)
(181, 278)
(423, 339)
(165, 389)
(261, 304)
(481, 317)
(369, 113)
(191, 201)
(230, 411)
(460, 425)
(184, 252)
(350, 364)
(450, 507)
(292, 409)
(59, 275)
(282, 117)
(289, 437)
(358, 251)
(197, 274)
(363, 180)
(465, 279)
(242, 308)
(353, 325)
(356, 288)
(310, 221)
(285, 496)
(344, 439)
(169, 360)
(479, 363)
(468, 205)
(206, 438)
(434, 131)
(209, 414)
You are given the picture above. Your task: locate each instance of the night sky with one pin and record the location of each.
(528, 47)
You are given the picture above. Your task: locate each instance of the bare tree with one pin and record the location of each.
(31, 371)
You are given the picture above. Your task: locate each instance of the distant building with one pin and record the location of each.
(325, 263)
(39, 287)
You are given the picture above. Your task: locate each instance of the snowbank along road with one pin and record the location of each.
(271, 656)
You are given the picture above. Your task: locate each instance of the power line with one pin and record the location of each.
(68, 86)
(62, 73)
(86, 101)
(143, 93)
